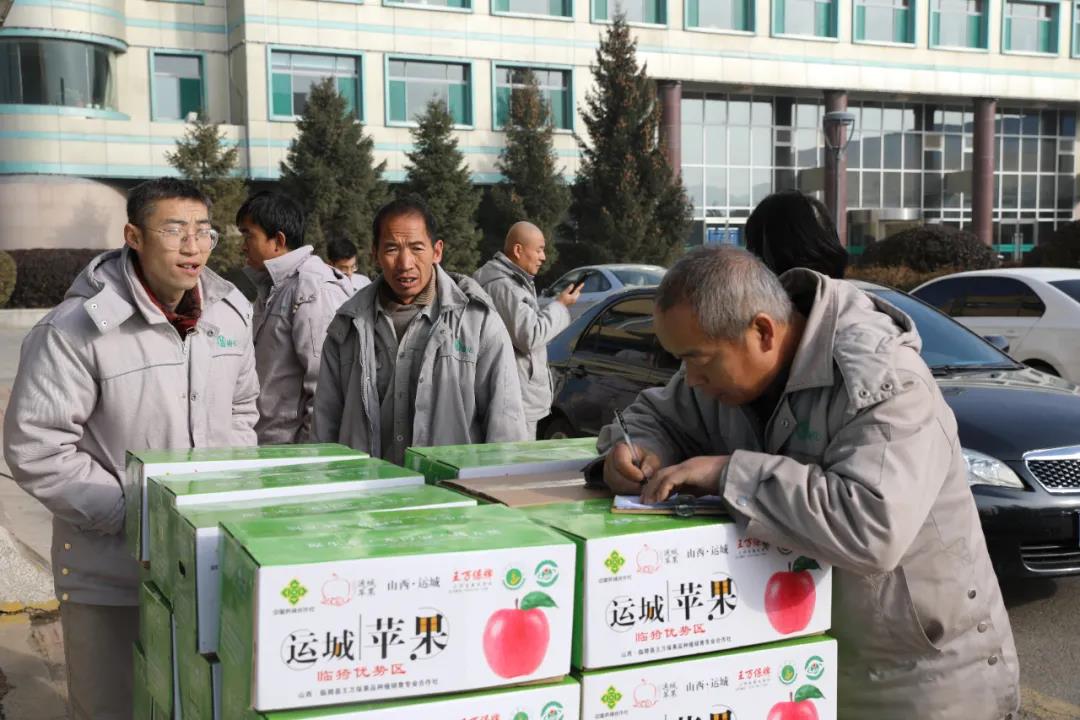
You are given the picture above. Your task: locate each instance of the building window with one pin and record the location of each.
(554, 86)
(178, 86)
(1076, 30)
(646, 12)
(1031, 27)
(958, 24)
(812, 18)
(435, 4)
(720, 14)
(41, 71)
(737, 149)
(294, 74)
(555, 8)
(890, 21)
(414, 83)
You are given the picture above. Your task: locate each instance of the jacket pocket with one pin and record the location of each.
(901, 617)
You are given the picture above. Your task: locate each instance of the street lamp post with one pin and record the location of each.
(837, 128)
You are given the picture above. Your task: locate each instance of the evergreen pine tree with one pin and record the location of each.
(330, 171)
(534, 188)
(202, 157)
(437, 173)
(628, 204)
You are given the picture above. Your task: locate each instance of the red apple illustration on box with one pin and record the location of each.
(799, 706)
(516, 639)
(790, 596)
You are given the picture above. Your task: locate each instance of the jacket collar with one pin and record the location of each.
(453, 293)
(851, 331)
(513, 268)
(113, 292)
(284, 267)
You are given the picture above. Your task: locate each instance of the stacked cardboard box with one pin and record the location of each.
(181, 593)
(654, 588)
(453, 462)
(143, 464)
(404, 606)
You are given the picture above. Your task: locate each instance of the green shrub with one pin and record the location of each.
(8, 274)
(900, 277)
(44, 275)
(1062, 249)
(929, 248)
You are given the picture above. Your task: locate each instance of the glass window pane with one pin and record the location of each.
(1010, 154)
(913, 151)
(912, 190)
(1047, 192)
(692, 109)
(761, 144)
(854, 197)
(871, 189)
(693, 180)
(692, 150)
(892, 193)
(716, 187)
(1028, 187)
(715, 145)
(762, 184)
(740, 187)
(177, 65)
(739, 112)
(1047, 155)
(740, 146)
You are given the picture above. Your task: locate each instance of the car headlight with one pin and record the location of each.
(985, 470)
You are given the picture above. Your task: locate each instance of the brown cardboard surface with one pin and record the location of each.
(528, 490)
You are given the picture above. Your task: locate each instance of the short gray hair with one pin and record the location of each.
(725, 287)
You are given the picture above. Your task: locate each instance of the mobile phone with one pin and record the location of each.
(577, 285)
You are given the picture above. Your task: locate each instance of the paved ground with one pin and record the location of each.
(1044, 613)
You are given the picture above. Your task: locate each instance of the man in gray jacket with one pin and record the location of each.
(149, 349)
(804, 403)
(298, 295)
(418, 358)
(508, 279)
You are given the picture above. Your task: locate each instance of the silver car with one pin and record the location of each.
(601, 281)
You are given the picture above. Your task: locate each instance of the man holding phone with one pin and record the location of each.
(508, 279)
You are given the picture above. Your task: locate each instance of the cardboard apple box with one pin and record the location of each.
(196, 540)
(142, 703)
(656, 586)
(555, 701)
(156, 641)
(794, 680)
(482, 600)
(528, 490)
(166, 494)
(142, 464)
(448, 462)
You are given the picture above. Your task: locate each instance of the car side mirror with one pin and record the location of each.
(998, 341)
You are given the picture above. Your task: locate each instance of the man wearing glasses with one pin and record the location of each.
(150, 349)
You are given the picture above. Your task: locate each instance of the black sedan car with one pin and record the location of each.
(1020, 428)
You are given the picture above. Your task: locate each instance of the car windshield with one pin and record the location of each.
(639, 277)
(946, 344)
(1069, 287)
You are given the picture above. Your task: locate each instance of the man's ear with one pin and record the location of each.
(280, 242)
(765, 330)
(133, 237)
(438, 247)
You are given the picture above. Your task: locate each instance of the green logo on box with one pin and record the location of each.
(513, 579)
(552, 711)
(611, 698)
(614, 562)
(293, 592)
(521, 715)
(787, 674)
(547, 572)
(815, 667)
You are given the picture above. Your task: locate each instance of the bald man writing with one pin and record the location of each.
(508, 279)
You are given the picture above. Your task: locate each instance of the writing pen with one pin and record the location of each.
(630, 443)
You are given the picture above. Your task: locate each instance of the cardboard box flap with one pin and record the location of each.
(376, 500)
(531, 489)
(480, 530)
(594, 519)
(359, 469)
(229, 454)
(581, 450)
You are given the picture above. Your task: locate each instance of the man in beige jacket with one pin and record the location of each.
(297, 297)
(149, 349)
(805, 404)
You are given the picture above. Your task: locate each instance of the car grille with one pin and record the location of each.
(1050, 557)
(1057, 476)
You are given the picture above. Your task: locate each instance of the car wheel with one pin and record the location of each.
(558, 428)
(1042, 367)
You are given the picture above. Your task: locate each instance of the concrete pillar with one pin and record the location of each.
(982, 172)
(836, 101)
(671, 122)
